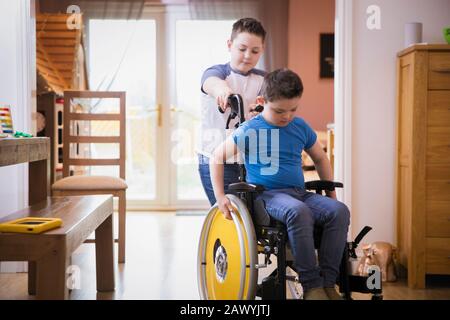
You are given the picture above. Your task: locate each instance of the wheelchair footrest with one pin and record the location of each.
(270, 289)
(362, 284)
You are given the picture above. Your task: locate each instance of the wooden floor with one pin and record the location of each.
(161, 264)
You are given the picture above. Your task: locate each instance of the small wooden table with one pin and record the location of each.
(36, 151)
(52, 250)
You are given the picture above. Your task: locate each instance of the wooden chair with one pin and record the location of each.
(90, 185)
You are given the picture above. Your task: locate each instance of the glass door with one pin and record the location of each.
(123, 57)
(197, 45)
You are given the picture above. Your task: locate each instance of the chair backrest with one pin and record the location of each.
(69, 139)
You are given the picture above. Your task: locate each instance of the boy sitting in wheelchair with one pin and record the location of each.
(279, 135)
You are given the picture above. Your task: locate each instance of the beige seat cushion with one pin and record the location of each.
(90, 183)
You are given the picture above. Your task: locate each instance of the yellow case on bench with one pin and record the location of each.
(30, 225)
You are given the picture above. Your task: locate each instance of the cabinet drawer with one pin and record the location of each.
(438, 172)
(438, 108)
(438, 219)
(438, 190)
(438, 145)
(439, 71)
(438, 256)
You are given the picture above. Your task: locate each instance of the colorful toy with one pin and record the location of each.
(19, 134)
(30, 225)
(6, 125)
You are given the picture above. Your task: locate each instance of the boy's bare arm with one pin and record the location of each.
(219, 89)
(224, 151)
(322, 164)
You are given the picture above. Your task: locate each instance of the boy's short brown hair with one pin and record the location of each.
(281, 84)
(249, 25)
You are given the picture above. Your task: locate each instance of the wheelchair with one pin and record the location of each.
(229, 250)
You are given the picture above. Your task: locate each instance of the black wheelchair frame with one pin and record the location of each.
(272, 235)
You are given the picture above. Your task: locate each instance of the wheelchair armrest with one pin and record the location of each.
(320, 185)
(245, 187)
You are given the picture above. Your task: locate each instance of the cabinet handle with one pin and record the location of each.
(443, 70)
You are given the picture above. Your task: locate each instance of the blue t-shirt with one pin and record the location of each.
(272, 154)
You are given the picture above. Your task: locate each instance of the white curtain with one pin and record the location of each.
(273, 14)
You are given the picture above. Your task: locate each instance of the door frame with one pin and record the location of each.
(173, 14)
(162, 147)
(343, 99)
(155, 13)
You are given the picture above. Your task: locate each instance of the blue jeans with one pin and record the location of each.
(230, 175)
(301, 211)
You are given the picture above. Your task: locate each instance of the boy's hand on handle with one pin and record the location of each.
(225, 206)
(222, 98)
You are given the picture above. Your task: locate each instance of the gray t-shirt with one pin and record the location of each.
(212, 130)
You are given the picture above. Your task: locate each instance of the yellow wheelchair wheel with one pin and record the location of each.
(227, 255)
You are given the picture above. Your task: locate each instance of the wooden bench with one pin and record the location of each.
(50, 252)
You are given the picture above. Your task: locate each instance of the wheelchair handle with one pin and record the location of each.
(237, 109)
(258, 108)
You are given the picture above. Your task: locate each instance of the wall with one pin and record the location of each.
(15, 89)
(11, 190)
(374, 105)
(307, 19)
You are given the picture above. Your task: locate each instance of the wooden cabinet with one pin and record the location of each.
(423, 161)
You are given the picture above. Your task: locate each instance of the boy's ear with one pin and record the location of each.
(229, 43)
(260, 100)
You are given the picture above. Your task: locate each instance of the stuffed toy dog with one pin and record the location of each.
(380, 254)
